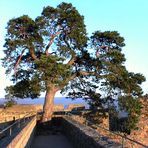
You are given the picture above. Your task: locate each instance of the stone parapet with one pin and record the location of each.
(59, 107)
(141, 133)
(19, 111)
(6, 117)
(83, 136)
(75, 107)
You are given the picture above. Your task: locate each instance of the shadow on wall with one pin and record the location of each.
(117, 124)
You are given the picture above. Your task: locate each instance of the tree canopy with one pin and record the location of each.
(54, 52)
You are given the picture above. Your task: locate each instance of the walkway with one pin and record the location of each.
(50, 137)
(51, 141)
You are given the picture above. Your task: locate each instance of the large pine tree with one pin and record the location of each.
(53, 52)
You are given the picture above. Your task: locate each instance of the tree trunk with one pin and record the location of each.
(48, 105)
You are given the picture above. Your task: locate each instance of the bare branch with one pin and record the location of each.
(18, 61)
(85, 73)
(77, 74)
(101, 47)
(72, 77)
(73, 58)
(51, 41)
(32, 53)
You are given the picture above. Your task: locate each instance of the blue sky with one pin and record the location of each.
(128, 17)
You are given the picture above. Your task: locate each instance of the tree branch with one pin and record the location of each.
(72, 77)
(85, 73)
(101, 47)
(77, 74)
(32, 53)
(19, 59)
(51, 41)
(73, 54)
(72, 60)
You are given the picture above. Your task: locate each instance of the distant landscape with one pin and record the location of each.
(57, 100)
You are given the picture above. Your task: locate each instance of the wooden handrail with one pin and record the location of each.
(8, 127)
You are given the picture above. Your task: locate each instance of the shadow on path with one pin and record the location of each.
(49, 136)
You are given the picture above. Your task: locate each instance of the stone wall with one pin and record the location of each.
(83, 136)
(59, 107)
(141, 134)
(19, 111)
(23, 139)
(75, 107)
(1, 109)
(12, 116)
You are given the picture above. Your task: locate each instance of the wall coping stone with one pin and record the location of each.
(91, 135)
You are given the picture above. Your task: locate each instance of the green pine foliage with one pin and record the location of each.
(54, 51)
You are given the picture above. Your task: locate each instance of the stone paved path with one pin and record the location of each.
(50, 136)
(50, 141)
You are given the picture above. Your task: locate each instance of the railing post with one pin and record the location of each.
(10, 132)
(86, 123)
(122, 142)
(19, 123)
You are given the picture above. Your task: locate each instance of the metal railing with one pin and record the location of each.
(8, 133)
(123, 140)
